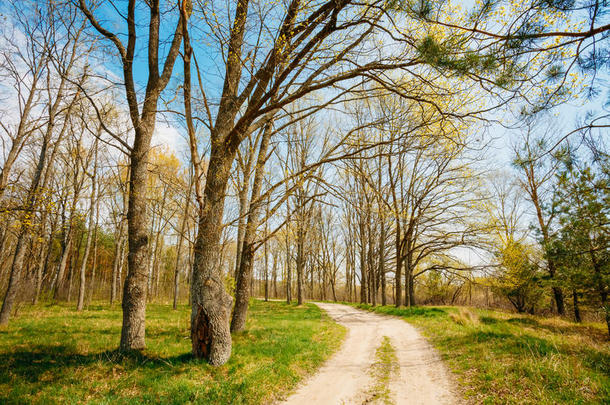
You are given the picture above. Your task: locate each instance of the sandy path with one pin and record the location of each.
(345, 377)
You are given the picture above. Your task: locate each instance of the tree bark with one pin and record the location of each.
(95, 244)
(266, 253)
(118, 253)
(247, 258)
(363, 262)
(382, 263)
(299, 263)
(241, 224)
(288, 272)
(117, 264)
(90, 233)
(211, 304)
(274, 275)
(14, 278)
(577, 317)
(39, 269)
(135, 289)
(179, 250)
(58, 280)
(83, 268)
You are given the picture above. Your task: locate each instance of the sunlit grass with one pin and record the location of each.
(51, 354)
(508, 358)
(383, 369)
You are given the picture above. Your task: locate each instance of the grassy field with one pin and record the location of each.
(51, 354)
(507, 358)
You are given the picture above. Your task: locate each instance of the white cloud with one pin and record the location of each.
(169, 136)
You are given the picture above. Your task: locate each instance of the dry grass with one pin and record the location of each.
(465, 317)
(503, 358)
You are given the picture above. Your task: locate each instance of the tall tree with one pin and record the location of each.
(143, 121)
(582, 243)
(537, 171)
(91, 228)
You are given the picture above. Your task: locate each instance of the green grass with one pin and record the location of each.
(509, 358)
(51, 354)
(385, 366)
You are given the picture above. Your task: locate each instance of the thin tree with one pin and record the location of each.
(143, 121)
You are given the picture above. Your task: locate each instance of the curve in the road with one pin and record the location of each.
(346, 376)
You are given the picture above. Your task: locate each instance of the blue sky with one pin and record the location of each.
(212, 68)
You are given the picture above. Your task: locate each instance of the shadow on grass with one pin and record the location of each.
(488, 320)
(502, 343)
(524, 321)
(57, 362)
(525, 345)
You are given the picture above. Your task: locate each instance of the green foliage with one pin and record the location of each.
(581, 244)
(435, 287)
(443, 56)
(519, 279)
(53, 355)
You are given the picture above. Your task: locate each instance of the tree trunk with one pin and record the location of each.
(15, 277)
(544, 226)
(382, 264)
(363, 269)
(288, 272)
(412, 301)
(179, 251)
(83, 269)
(211, 305)
(152, 249)
(398, 276)
(73, 264)
(407, 289)
(135, 289)
(558, 296)
(274, 275)
(240, 311)
(300, 259)
(266, 273)
(370, 265)
(67, 240)
(63, 264)
(241, 224)
(90, 236)
(577, 317)
(43, 259)
(95, 247)
(238, 322)
(117, 265)
(118, 253)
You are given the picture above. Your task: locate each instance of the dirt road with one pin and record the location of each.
(419, 377)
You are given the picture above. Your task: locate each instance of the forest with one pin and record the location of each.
(203, 166)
